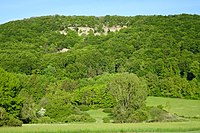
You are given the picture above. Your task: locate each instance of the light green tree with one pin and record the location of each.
(130, 93)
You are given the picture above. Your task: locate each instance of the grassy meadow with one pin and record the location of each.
(98, 115)
(182, 107)
(105, 128)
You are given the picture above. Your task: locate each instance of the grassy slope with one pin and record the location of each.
(182, 107)
(98, 115)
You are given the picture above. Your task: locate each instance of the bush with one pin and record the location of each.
(157, 114)
(14, 122)
(107, 110)
(1, 123)
(106, 120)
(3, 116)
(84, 108)
(138, 116)
(6, 120)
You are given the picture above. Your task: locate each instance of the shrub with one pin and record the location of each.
(6, 120)
(3, 116)
(84, 108)
(1, 123)
(14, 122)
(106, 120)
(107, 110)
(138, 116)
(157, 114)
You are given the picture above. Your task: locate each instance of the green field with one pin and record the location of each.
(103, 127)
(182, 107)
(98, 115)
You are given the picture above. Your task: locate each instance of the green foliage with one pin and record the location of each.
(57, 104)
(157, 114)
(35, 86)
(164, 50)
(83, 107)
(139, 115)
(9, 90)
(28, 111)
(107, 110)
(106, 120)
(8, 120)
(129, 92)
(3, 116)
(93, 96)
(14, 122)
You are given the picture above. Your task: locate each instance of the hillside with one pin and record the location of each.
(66, 63)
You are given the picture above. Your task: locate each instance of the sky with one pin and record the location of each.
(20, 9)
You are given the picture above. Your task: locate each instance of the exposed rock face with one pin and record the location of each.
(86, 30)
(63, 32)
(63, 50)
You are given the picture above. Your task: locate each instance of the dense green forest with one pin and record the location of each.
(101, 67)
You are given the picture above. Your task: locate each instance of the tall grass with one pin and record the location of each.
(105, 127)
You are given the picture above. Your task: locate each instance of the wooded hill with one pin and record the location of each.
(39, 82)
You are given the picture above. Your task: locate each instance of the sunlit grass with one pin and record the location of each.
(98, 115)
(181, 107)
(103, 127)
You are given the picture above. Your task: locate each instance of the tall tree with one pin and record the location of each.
(130, 93)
